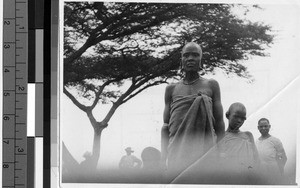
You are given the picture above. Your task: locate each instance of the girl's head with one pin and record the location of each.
(236, 116)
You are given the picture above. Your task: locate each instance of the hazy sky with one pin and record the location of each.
(274, 94)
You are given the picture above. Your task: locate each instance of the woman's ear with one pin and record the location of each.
(180, 67)
(227, 114)
(200, 66)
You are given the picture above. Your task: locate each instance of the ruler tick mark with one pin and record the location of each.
(8, 66)
(21, 153)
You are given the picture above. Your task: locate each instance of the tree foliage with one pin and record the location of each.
(112, 42)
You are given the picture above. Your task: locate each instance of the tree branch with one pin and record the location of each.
(99, 92)
(91, 118)
(79, 52)
(75, 101)
(142, 89)
(118, 103)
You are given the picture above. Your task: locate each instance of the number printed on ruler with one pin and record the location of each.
(15, 36)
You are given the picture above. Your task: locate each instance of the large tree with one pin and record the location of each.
(114, 51)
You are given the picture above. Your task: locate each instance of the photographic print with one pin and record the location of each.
(182, 93)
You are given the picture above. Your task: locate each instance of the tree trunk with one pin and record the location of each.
(98, 127)
(96, 147)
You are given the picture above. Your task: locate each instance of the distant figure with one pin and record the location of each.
(87, 165)
(271, 153)
(151, 158)
(234, 160)
(129, 162)
(151, 171)
(193, 115)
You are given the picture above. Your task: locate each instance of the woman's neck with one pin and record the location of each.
(190, 76)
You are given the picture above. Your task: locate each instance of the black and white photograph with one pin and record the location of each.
(179, 93)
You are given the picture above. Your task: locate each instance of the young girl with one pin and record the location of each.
(237, 149)
(234, 160)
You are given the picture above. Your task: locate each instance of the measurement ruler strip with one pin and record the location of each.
(14, 150)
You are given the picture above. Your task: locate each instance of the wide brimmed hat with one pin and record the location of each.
(128, 149)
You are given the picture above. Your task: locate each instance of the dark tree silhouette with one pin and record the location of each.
(109, 44)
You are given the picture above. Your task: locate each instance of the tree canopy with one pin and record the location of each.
(141, 42)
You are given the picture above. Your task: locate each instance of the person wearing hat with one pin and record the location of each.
(88, 165)
(129, 161)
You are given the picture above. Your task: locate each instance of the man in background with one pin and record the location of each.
(129, 162)
(271, 153)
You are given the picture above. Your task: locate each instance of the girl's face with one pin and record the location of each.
(236, 119)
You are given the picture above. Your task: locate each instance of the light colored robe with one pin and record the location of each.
(269, 149)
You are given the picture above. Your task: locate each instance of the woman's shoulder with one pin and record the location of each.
(247, 133)
(170, 87)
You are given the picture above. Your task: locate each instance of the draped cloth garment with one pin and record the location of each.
(191, 131)
(238, 150)
(234, 160)
(269, 149)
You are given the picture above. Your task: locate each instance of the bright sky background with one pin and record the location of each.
(274, 94)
